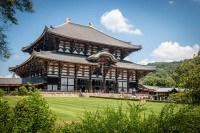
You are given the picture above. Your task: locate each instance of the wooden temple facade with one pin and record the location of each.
(73, 57)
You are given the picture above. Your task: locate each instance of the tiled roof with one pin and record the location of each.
(80, 59)
(20, 81)
(10, 81)
(166, 89)
(131, 65)
(86, 33)
(151, 87)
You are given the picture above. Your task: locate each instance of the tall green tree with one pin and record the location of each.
(189, 73)
(8, 9)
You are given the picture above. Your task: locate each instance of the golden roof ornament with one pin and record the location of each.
(91, 25)
(67, 20)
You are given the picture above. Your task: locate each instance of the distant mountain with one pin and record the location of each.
(163, 76)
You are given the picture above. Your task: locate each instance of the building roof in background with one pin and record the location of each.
(151, 87)
(21, 81)
(160, 90)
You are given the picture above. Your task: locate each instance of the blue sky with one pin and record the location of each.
(168, 30)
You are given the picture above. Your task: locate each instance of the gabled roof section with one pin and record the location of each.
(86, 33)
(102, 53)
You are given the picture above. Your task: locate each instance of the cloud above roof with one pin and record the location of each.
(116, 22)
(171, 51)
(171, 2)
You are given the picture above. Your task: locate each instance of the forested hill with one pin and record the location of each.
(163, 76)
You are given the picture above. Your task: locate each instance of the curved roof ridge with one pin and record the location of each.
(93, 35)
(102, 33)
(117, 39)
(31, 44)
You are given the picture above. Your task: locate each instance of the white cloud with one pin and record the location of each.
(115, 22)
(171, 51)
(171, 2)
(146, 61)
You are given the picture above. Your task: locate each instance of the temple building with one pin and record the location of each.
(73, 57)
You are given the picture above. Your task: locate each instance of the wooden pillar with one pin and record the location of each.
(136, 76)
(59, 75)
(90, 79)
(128, 77)
(116, 77)
(75, 77)
(75, 84)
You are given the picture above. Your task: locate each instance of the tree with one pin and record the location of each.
(189, 73)
(32, 115)
(22, 91)
(1, 92)
(6, 117)
(163, 76)
(8, 8)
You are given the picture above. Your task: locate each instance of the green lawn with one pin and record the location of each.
(69, 108)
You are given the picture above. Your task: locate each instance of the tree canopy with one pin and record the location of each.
(188, 73)
(8, 9)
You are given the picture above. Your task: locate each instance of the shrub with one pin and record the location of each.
(1, 93)
(6, 117)
(14, 93)
(187, 97)
(32, 87)
(22, 91)
(32, 115)
(133, 120)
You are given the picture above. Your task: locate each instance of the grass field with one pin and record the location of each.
(69, 108)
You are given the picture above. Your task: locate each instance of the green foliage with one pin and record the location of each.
(4, 48)
(164, 76)
(8, 8)
(31, 87)
(14, 93)
(133, 120)
(32, 115)
(189, 73)
(187, 97)
(22, 91)
(6, 117)
(1, 93)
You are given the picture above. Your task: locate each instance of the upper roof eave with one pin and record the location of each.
(59, 31)
(24, 49)
(86, 33)
(131, 47)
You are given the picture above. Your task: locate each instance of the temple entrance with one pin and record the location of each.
(96, 85)
(110, 86)
(83, 85)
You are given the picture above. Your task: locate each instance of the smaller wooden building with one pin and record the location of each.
(163, 93)
(9, 84)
